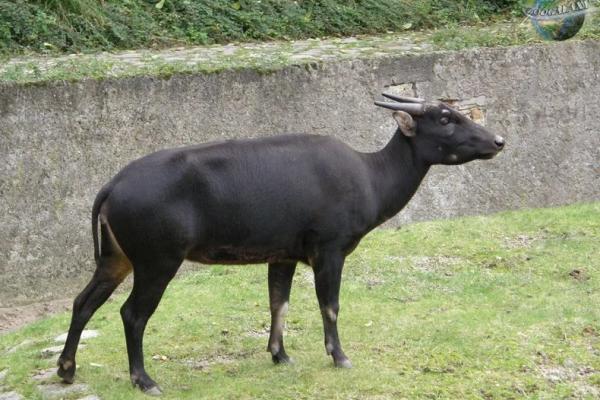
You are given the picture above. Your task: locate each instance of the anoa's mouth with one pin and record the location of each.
(488, 156)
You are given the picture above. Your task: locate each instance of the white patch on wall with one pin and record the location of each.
(403, 89)
(473, 108)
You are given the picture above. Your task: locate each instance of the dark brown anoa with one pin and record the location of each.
(278, 200)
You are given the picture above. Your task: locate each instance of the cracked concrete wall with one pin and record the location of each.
(59, 142)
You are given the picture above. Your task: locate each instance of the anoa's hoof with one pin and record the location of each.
(153, 391)
(66, 370)
(342, 363)
(282, 358)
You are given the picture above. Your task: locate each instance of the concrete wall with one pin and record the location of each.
(60, 142)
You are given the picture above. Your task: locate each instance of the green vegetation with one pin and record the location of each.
(67, 26)
(498, 307)
(272, 56)
(35, 35)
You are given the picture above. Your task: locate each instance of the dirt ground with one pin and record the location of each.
(12, 318)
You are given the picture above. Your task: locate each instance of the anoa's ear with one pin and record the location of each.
(406, 123)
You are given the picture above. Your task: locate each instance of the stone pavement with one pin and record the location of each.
(301, 51)
(47, 382)
(261, 56)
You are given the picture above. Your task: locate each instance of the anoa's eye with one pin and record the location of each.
(445, 118)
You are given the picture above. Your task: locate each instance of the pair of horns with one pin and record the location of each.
(411, 105)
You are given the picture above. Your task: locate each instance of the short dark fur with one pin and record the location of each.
(276, 200)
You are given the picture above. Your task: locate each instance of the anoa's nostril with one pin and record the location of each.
(499, 140)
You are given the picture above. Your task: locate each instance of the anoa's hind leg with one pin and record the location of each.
(150, 280)
(113, 267)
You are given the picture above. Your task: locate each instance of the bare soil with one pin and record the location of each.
(12, 318)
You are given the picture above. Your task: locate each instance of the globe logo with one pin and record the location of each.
(557, 19)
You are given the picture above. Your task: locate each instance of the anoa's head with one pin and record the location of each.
(441, 134)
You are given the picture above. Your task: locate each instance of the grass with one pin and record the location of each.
(496, 307)
(67, 26)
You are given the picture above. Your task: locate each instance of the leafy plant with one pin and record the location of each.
(65, 26)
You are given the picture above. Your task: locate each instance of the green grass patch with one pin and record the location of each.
(517, 31)
(496, 307)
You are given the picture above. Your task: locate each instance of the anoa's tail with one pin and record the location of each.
(100, 197)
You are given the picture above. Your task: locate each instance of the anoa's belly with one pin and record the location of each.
(238, 255)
